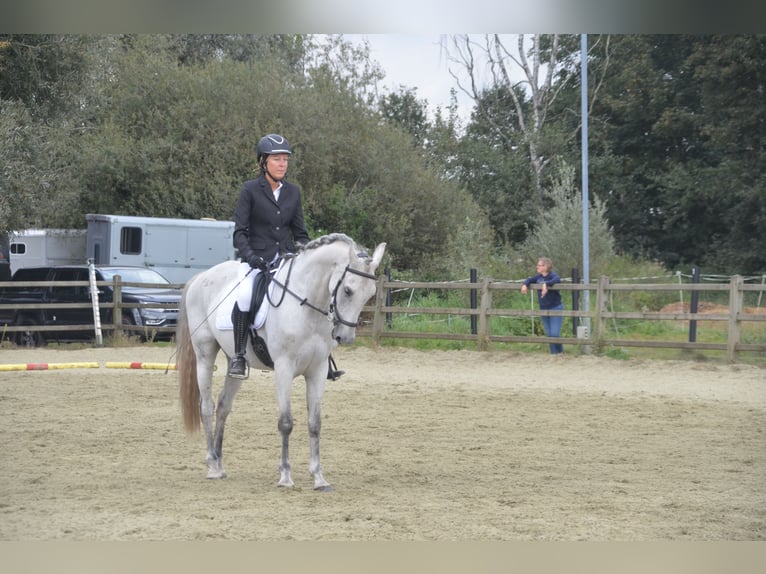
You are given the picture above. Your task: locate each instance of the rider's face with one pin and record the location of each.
(276, 164)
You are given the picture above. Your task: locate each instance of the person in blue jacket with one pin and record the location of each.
(549, 299)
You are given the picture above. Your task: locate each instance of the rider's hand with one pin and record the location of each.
(258, 262)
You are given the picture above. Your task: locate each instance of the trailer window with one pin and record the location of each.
(18, 248)
(130, 240)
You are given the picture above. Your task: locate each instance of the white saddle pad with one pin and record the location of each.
(223, 315)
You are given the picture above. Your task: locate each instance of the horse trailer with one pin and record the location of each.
(46, 248)
(176, 248)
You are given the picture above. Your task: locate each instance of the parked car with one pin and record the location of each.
(156, 311)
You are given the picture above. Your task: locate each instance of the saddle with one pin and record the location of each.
(260, 286)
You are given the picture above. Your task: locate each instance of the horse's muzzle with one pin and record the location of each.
(344, 335)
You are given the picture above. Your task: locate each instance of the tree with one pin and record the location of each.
(677, 149)
(45, 87)
(531, 78)
(45, 72)
(179, 140)
(403, 109)
(559, 234)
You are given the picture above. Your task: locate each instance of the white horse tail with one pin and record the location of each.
(186, 365)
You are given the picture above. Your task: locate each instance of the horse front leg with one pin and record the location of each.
(315, 386)
(285, 426)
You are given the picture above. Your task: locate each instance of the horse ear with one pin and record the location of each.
(377, 257)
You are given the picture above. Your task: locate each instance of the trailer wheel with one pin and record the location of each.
(28, 338)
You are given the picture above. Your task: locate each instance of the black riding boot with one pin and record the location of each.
(333, 374)
(238, 367)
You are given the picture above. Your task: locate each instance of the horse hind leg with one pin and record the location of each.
(214, 457)
(315, 468)
(207, 414)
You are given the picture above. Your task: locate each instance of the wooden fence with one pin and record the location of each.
(594, 315)
(118, 306)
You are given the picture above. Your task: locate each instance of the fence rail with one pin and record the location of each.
(594, 317)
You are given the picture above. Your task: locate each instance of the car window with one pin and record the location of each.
(73, 274)
(31, 274)
(134, 275)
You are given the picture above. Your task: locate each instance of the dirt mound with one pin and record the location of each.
(702, 307)
(708, 308)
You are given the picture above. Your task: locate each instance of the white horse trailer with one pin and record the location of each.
(46, 247)
(176, 248)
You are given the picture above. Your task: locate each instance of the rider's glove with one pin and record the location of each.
(258, 262)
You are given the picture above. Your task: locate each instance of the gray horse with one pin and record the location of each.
(315, 299)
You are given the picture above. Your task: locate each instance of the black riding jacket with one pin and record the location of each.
(265, 226)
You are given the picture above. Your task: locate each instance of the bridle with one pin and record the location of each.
(332, 313)
(333, 303)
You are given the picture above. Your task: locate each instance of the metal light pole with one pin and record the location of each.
(585, 221)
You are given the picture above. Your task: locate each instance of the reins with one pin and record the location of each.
(332, 309)
(286, 289)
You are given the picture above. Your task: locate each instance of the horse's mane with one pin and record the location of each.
(332, 238)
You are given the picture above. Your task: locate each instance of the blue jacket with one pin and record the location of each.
(552, 297)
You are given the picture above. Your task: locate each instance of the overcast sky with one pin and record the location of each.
(415, 61)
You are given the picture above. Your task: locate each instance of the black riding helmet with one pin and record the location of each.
(271, 144)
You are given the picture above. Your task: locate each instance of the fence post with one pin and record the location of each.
(473, 300)
(377, 320)
(118, 310)
(735, 308)
(694, 305)
(389, 316)
(575, 300)
(602, 298)
(486, 305)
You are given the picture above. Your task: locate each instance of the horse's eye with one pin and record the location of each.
(347, 291)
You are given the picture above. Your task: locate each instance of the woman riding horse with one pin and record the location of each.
(268, 222)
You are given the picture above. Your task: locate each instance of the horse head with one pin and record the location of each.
(352, 285)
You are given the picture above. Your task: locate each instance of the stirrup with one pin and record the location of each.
(238, 368)
(333, 374)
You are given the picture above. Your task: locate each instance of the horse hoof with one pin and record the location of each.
(325, 488)
(211, 475)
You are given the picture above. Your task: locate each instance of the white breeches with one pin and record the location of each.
(246, 279)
